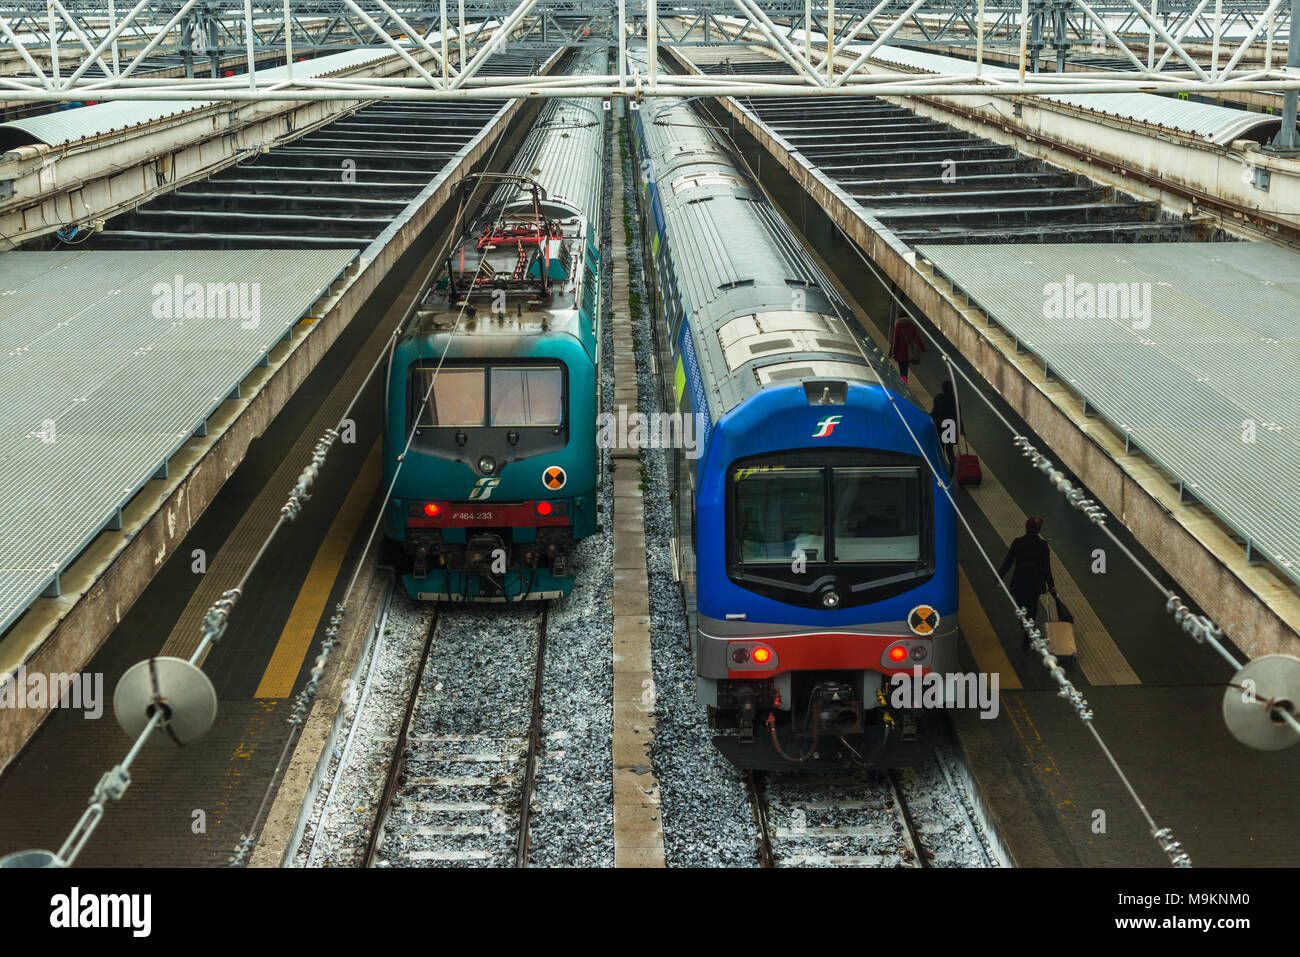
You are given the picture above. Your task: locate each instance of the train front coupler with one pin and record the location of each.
(833, 709)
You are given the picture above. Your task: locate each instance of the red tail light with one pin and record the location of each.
(762, 655)
(432, 509)
(543, 508)
(897, 653)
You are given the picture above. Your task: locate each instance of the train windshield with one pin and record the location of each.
(508, 395)
(782, 514)
(863, 517)
(526, 396)
(779, 512)
(877, 514)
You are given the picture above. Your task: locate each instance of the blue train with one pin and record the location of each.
(495, 383)
(816, 546)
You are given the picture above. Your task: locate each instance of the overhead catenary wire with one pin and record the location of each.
(1163, 836)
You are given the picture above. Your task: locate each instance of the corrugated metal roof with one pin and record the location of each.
(1207, 388)
(67, 126)
(1218, 124)
(82, 346)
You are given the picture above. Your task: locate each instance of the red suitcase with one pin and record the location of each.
(968, 470)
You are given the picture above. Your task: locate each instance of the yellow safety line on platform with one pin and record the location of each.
(286, 661)
(982, 639)
(1043, 762)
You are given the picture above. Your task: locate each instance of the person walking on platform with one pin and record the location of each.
(1032, 571)
(905, 346)
(946, 421)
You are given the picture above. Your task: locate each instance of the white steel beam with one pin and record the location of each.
(780, 43)
(288, 42)
(652, 38)
(66, 19)
(140, 57)
(80, 35)
(843, 42)
(27, 57)
(498, 38)
(248, 42)
(1266, 19)
(1110, 35)
(876, 44)
(1174, 43)
(424, 44)
(392, 43)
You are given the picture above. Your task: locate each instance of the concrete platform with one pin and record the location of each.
(1046, 785)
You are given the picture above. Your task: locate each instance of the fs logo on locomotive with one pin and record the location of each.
(483, 489)
(826, 426)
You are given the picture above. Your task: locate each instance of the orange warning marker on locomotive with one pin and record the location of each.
(923, 620)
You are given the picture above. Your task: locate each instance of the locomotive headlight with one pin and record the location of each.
(920, 652)
(740, 655)
(831, 599)
(487, 464)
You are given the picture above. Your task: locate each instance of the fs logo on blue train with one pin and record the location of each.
(554, 478)
(826, 426)
(923, 620)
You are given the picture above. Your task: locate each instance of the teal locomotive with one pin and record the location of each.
(493, 388)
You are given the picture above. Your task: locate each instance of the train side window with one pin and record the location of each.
(527, 396)
(457, 397)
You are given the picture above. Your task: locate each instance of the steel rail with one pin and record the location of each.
(755, 783)
(395, 767)
(911, 836)
(534, 742)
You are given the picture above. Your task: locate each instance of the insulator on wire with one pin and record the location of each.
(1255, 702)
(174, 686)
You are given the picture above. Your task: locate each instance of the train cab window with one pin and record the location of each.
(877, 515)
(505, 395)
(527, 396)
(457, 397)
(780, 512)
(859, 519)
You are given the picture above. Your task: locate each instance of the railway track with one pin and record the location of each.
(453, 796)
(834, 822)
(907, 818)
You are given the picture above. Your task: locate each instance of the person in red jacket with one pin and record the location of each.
(906, 345)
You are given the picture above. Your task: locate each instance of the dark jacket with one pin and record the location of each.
(1033, 567)
(945, 407)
